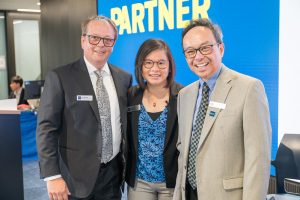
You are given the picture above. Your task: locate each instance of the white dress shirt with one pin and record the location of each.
(113, 101)
(18, 94)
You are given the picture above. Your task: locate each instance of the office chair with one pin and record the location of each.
(287, 162)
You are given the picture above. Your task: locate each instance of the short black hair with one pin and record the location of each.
(17, 79)
(145, 49)
(215, 29)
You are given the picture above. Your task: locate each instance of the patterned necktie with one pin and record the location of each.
(197, 128)
(104, 111)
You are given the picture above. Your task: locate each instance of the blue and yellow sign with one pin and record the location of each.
(250, 29)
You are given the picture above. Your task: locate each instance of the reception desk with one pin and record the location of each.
(28, 120)
(11, 174)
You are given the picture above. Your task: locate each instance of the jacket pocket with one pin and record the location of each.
(233, 183)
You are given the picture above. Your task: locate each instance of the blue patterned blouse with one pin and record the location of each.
(151, 140)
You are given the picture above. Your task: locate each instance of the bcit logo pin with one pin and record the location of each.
(212, 113)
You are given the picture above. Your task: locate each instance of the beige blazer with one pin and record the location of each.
(233, 160)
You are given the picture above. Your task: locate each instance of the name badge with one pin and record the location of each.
(134, 108)
(84, 97)
(218, 105)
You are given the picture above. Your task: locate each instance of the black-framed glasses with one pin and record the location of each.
(94, 40)
(161, 64)
(204, 50)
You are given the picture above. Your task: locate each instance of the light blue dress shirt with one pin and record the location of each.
(211, 84)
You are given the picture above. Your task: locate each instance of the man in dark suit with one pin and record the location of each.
(17, 91)
(82, 121)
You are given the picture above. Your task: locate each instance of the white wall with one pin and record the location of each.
(3, 66)
(27, 49)
(289, 68)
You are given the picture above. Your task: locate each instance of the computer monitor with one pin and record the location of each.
(33, 89)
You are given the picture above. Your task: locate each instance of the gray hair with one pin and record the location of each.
(98, 18)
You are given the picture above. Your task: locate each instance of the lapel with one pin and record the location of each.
(117, 81)
(137, 100)
(189, 105)
(121, 92)
(172, 113)
(22, 94)
(219, 94)
(84, 80)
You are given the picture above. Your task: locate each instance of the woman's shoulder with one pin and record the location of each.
(135, 91)
(175, 88)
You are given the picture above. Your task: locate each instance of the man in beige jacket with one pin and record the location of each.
(224, 125)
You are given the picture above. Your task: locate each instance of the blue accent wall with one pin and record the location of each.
(250, 28)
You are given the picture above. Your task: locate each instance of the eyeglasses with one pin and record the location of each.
(161, 64)
(204, 50)
(94, 40)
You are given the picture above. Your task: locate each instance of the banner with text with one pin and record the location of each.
(250, 29)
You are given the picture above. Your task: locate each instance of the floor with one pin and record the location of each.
(34, 187)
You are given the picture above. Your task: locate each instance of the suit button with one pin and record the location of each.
(183, 188)
(184, 166)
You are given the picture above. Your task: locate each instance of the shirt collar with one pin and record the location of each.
(91, 68)
(212, 81)
(18, 92)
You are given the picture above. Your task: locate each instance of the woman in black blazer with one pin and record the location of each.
(152, 124)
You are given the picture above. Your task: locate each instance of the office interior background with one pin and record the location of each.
(32, 43)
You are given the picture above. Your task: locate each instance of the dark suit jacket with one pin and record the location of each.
(21, 100)
(170, 154)
(67, 132)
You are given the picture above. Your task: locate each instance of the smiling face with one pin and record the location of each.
(98, 54)
(156, 76)
(204, 66)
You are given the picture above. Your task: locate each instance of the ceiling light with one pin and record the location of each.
(28, 10)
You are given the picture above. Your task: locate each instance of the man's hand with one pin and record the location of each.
(58, 189)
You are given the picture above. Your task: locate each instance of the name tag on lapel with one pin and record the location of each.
(84, 98)
(218, 105)
(134, 108)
